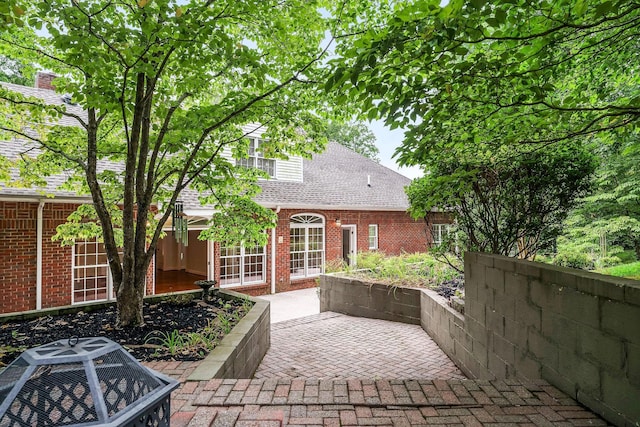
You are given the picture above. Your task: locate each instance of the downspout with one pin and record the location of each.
(273, 255)
(39, 225)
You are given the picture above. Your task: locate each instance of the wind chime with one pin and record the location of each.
(179, 224)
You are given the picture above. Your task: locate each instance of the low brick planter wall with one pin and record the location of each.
(242, 350)
(373, 300)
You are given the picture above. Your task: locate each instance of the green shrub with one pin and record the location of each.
(370, 259)
(607, 261)
(627, 256)
(416, 269)
(574, 260)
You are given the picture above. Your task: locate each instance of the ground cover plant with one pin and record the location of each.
(178, 328)
(631, 270)
(410, 270)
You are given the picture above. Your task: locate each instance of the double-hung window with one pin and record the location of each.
(439, 232)
(256, 159)
(306, 245)
(241, 265)
(91, 276)
(373, 236)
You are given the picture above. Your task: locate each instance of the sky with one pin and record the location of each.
(387, 140)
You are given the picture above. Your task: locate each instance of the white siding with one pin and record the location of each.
(286, 170)
(289, 170)
(226, 153)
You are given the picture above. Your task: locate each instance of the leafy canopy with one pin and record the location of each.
(508, 202)
(608, 220)
(356, 136)
(503, 72)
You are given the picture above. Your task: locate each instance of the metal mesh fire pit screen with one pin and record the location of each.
(91, 382)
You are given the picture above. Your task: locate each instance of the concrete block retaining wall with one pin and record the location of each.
(242, 350)
(357, 298)
(579, 331)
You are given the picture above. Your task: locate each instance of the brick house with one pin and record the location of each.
(329, 208)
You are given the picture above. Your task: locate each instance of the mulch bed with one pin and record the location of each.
(448, 288)
(184, 315)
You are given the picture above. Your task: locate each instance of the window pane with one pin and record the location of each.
(91, 274)
(306, 245)
(267, 165)
(296, 239)
(254, 268)
(229, 270)
(314, 263)
(296, 264)
(373, 236)
(316, 239)
(245, 163)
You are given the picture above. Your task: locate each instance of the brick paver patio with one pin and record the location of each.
(306, 402)
(335, 398)
(332, 345)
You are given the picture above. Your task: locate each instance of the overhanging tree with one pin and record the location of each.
(510, 202)
(356, 136)
(475, 78)
(502, 72)
(164, 88)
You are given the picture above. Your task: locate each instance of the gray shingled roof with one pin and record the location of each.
(335, 179)
(16, 147)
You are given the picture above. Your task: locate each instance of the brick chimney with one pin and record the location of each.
(44, 79)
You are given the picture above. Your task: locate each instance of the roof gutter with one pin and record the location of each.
(273, 255)
(39, 225)
(333, 207)
(35, 199)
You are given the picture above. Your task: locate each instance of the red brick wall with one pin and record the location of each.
(397, 233)
(18, 246)
(56, 260)
(18, 257)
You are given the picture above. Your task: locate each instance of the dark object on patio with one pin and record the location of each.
(205, 285)
(83, 382)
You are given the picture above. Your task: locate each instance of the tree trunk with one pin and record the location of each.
(129, 302)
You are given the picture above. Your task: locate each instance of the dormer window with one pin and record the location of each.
(256, 159)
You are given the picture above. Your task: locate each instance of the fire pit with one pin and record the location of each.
(83, 382)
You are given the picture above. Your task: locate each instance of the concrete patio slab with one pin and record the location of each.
(293, 304)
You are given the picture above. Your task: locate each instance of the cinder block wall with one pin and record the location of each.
(240, 352)
(579, 331)
(373, 300)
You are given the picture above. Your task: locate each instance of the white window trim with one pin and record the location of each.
(109, 290)
(306, 227)
(242, 256)
(442, 228)
(376, 243)
(258, 155)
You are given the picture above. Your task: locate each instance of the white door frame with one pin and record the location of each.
(211, 271)
(353, 242)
